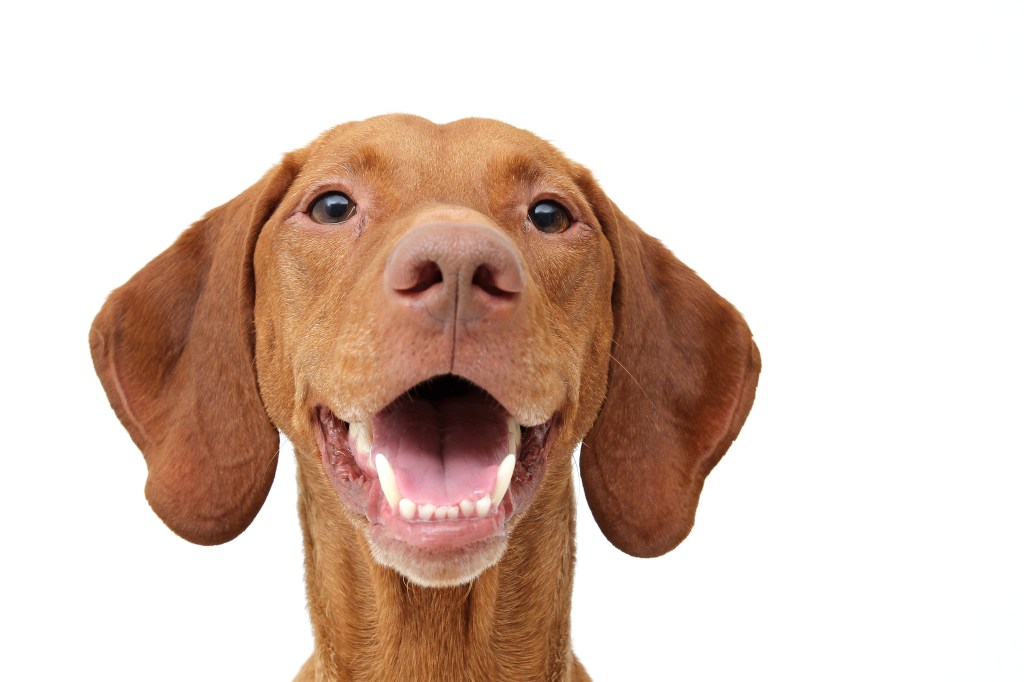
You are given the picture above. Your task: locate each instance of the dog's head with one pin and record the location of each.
(435, 316)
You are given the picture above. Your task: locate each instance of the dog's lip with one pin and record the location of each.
(358, 486)
(528, 415)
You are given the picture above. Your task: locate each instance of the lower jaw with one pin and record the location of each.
(433, 554)
(437, 536)
(441, 566)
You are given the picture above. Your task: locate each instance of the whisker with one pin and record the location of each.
(612, 356)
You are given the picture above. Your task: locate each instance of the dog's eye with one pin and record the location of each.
(332, 207)
(549, 216)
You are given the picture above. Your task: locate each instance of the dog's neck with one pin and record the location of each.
(512, 622)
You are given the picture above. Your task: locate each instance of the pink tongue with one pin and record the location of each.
(443, 451)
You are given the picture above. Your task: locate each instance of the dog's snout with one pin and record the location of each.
(455, 271)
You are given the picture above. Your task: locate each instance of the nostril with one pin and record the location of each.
(425, 275)
(440, 272)
(483, 277)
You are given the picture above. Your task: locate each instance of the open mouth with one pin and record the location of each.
(443, 466)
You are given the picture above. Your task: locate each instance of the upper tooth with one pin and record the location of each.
(513, 435)
(363, 436)
(508, 465)
(388, 482)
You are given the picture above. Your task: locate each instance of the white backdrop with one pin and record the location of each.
(849, 175)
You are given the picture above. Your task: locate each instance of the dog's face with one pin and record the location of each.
(446, 329)
(435, 315)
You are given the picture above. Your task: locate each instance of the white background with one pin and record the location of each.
(849, 175)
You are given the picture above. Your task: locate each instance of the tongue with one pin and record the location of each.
(443, 450)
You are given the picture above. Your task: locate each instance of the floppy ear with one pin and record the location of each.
(681, 381)
(173, 348)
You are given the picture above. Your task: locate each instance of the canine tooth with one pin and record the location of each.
(441, 512)
(513, 435)
(467, 508)
(483, 507)
(508, 465)
(426, 511)
(452, 512)
(388, 482)
(407, 508)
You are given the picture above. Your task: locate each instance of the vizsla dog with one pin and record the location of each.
(435, 316)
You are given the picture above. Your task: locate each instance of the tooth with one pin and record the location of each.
(452, 512)
(426, 511)
(508, 465)
(483, 506)
(407, 508)
(441, 512)
(467, 507)
(388, 482)
(363, 436)
(513, 435)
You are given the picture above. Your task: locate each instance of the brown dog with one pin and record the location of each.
(435, 316)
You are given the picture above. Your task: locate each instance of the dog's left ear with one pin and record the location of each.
(681, 381)
(173, 348)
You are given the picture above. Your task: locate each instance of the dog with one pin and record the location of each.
(435, 316)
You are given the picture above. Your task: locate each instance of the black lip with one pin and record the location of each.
(332, 437)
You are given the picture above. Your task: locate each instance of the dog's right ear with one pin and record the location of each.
(173, 348)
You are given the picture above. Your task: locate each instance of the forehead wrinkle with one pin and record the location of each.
(363, 163)
(528, 173)
(521, 169)
(366, 160)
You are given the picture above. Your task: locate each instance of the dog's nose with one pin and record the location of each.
(457, 271)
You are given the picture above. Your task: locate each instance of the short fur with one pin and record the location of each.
(256, 315)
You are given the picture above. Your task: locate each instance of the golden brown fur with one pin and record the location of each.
(255, 315)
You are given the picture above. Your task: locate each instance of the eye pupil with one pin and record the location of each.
(332, 207)
(549, 216)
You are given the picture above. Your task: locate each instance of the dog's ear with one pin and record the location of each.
(681, 381)
(173, 348)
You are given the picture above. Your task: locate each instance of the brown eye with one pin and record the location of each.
(332, 207)
(550, 217)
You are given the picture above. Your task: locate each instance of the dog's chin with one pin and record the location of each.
(430, 568)
(437, 477)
